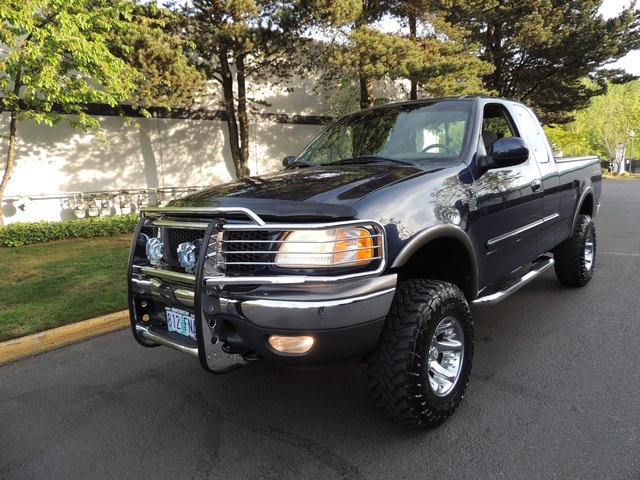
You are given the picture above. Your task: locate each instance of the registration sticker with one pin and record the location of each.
(181, 321)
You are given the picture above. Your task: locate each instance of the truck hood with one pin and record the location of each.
(322, 193)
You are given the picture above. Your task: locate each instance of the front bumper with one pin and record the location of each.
(344, 318)
(235, 313)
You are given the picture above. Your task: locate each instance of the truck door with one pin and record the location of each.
(541, 152)
(510, 202)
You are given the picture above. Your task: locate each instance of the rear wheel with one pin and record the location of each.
(421, 365)
(575, 258)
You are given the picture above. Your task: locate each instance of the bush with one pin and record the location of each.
(17, 234)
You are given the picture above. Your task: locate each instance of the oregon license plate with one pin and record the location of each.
(181, 321)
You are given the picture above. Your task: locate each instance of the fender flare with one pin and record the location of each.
(437, 232)
(581, 201)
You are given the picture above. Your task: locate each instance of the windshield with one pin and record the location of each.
(416, 133)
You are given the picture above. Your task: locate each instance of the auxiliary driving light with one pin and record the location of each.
(154, 249)
(299, 344)
(188, 253)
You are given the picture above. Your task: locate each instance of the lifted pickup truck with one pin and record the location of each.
(369, 245)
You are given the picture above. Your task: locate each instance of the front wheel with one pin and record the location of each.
(420, 367)
(575, 258)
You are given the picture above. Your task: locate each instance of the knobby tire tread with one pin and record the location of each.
(395, 365)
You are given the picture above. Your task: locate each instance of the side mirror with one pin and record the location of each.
(506, 152)
(288, 160)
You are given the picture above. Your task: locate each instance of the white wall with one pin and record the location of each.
(53, 163)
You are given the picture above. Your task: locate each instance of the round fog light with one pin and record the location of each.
(299, 344)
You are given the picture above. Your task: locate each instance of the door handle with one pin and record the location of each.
(536, 186)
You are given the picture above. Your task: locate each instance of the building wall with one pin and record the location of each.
(54, 165)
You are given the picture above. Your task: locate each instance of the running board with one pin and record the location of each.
(538, 267)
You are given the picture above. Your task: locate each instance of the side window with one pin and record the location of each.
(496, 124)
(533, 133)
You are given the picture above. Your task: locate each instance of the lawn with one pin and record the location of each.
(52, 284)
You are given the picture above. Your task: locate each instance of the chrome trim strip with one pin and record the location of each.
(520, 230)
(158, 337)
(168, 275)
(501, 238)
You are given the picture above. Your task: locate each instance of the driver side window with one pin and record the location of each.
(496, 124)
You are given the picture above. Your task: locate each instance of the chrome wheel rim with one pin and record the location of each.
(446, 354)
(588, 251)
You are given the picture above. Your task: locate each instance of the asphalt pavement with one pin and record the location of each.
(553, 394)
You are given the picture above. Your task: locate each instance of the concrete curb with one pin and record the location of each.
(59, 337)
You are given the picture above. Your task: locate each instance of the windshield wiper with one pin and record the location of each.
(369, 159)
(301, 164)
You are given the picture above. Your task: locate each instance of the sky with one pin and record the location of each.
(630, 63)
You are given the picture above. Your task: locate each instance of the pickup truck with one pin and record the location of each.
(369, 246)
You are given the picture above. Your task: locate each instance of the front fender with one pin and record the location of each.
(445, 231)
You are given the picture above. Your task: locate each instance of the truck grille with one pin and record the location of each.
(234, 248)
(245, 251)
(174, 237)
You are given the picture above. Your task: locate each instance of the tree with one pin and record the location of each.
(61, 55)
(167, 77)
(236, 42)
(429, 52)
(448, 64)
(57, 60)
(607, 127)
(542, 49)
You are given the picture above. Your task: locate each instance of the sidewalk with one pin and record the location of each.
(59, 337)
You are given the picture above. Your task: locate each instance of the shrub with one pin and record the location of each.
(17, 234)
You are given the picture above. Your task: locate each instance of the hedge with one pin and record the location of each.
(19, 233)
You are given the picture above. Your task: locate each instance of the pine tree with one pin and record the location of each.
(541, 50)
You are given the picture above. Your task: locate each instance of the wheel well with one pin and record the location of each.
(443, 259)
(587, 206)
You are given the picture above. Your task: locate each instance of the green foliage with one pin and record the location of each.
(58, 58)
(18, 234)
(434, 55)
(235, 43)
(543, 49)
(607, 126)
(167, 77)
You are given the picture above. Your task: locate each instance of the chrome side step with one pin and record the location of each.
(538, 267)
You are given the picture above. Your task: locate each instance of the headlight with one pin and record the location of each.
(336, 247)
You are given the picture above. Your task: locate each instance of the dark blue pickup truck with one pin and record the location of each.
(369, 245)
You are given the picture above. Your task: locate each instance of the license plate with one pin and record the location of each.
(181, 321)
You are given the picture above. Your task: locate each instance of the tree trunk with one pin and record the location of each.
(413, 35)
(8, 169)
(366, 92)
(230, 110)
(243, 118)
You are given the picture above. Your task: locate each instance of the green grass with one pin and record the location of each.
(48, 285)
